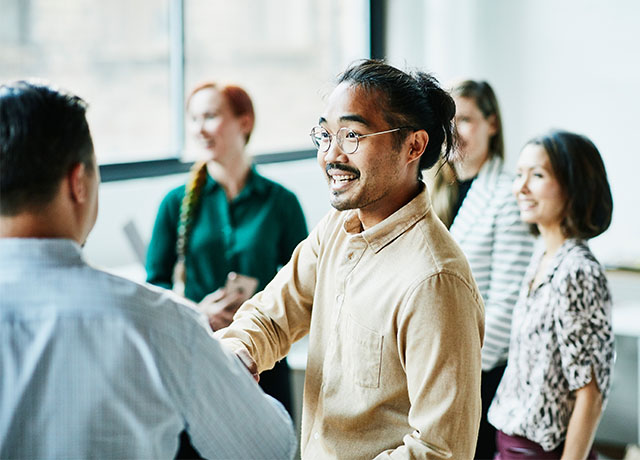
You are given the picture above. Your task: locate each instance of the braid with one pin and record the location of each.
(188, 207)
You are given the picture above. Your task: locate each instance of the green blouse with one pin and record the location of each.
(254, 234)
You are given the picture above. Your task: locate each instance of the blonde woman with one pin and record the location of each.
(472, 195)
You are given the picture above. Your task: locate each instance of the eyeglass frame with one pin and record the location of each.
(358, 137)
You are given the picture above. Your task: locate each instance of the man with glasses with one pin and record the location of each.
(394, 317)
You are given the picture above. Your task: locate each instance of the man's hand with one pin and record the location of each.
(220, 306)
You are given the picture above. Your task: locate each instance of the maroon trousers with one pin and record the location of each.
(517, 448)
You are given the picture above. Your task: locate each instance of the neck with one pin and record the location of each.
(553, 238)
(57, 219)
(376, 212)
(468, 169)
(232, 177)
(31, 225)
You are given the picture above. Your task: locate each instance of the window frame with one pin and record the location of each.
(112, 172)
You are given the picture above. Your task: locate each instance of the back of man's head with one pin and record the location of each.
(43, 134)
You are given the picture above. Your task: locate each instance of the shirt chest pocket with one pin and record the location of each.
(364, 354)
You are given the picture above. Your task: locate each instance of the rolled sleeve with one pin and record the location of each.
(583, 328)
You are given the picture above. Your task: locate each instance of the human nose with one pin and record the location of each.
(202, 126)
(334, 154)
(520, 184)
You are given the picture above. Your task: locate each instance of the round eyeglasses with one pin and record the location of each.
(348, 141)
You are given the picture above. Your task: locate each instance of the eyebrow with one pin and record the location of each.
(350, 117)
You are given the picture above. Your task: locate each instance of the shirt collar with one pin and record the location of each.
(255, 184)
(383, 233)
(558, 258)
(563, 250)
(40, 251)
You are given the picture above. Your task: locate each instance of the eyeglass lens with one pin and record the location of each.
(347, 140)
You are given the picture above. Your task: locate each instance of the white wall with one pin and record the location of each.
(138, 200)
(573, 64)
(570, 64)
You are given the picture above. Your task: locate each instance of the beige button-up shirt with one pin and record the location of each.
(395, 325)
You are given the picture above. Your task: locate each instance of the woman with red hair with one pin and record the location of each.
(228, 220)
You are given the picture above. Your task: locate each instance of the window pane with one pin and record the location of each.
(285, 53)
(114, 54)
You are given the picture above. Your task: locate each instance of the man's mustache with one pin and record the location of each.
(342, 167)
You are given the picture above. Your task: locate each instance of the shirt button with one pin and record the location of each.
(350, 256)
(339, 299)
(316, 435)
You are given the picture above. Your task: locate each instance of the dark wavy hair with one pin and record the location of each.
(414, 99)
(579, 169)
(43, 134)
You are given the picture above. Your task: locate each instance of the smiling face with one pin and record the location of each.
(213, 125)
(377, 179)
(539, 194)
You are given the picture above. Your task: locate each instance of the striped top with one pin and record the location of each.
(498, 246)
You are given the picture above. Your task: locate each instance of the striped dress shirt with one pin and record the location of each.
(498, 246)
(96, 366)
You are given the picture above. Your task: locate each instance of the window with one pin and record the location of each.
(113, 54)
(134, 61)
(283, 52)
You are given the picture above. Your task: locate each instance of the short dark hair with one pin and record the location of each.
(579, 169)
(485, 99)
(414, 99)
(43, 134)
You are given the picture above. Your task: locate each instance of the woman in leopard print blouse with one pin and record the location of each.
(561, 354)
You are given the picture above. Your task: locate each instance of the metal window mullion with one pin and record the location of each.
(176, 75)
(377, 28)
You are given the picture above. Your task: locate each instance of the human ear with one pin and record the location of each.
(246, 123)
(418, 141)
(78, 183)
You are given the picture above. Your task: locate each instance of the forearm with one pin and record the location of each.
(256, 333)
(228, 416)
(583, 422)
(270, 322)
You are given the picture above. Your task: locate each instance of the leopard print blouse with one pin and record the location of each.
(561, 331)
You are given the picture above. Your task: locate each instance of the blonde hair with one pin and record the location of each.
(241, 105)
(443, 181)
(443, 188)
(188, 207)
